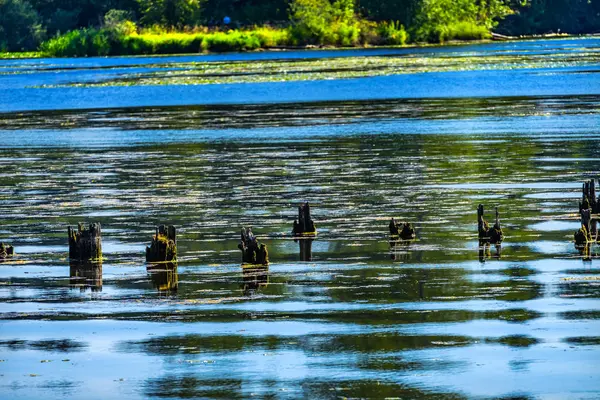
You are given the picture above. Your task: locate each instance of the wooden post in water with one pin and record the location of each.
(304, 225)
(6, 250)
(588, 197)
(584, 235)
(164, 245)
(85, 244)
(492, 235)
(403, 230)
(253, 252)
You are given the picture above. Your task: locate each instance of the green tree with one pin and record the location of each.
(439, 20)
(175, 13)
(323, 22)
(20, 29)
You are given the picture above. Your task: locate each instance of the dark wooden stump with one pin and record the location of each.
(85, 244)
(164, 245)
(404, 230)
(164, 276)
(6, 250)
(584, 234)
(253, 252)
(588, 197)
(492, 235)
(304, 225)
(86, 275)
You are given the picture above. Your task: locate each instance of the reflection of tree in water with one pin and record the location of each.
(86, 275)
(164, 276)
(188, 386)
(254, 279)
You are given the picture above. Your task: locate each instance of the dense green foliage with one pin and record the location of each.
(86, 27)
(19, 26)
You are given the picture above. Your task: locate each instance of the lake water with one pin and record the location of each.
(436, 318)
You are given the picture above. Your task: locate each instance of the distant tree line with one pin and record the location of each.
(24, 24)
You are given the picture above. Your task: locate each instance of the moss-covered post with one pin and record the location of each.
(6, 250)
(85, 244)
(253, 252)
(164, 245)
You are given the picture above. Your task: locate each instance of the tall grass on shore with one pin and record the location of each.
(105, 42)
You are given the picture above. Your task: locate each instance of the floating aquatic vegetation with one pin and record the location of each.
(259, 71)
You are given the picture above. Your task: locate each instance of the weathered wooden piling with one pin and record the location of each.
(584, 234)
(86, 275)
(85, 244)
(6, 250)
(304, 225)
(490, 235)
(589, 199)
(404, 230)
(164, 245)
(253, 252)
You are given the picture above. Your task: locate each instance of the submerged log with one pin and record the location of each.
(304, 225)
(164, 245)
(486, 234)
(85, 244)
(6, 250)
(403, 230)
(86, 275)
(253, 252)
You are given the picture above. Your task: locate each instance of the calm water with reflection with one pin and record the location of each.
(345, 315)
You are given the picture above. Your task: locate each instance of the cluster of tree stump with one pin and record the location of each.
(85, 244)
(253, 252)
(589, 208)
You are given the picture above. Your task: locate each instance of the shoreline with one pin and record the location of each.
(493, 38)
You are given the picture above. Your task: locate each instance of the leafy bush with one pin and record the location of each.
(392, 33)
